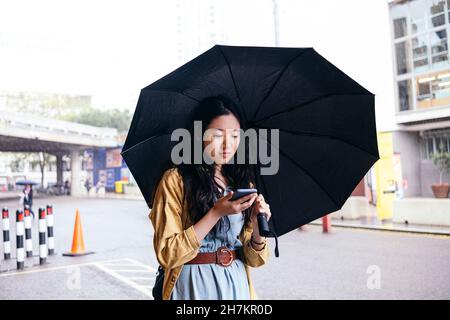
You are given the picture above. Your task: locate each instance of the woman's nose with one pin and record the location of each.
(228, 142)
(227, 147)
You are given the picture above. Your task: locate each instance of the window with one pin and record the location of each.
(441, 144)
(430, 147)
(417, 10)
(432, 141)
(437, 13)
(418, 26)
(441, 87)
(448, 8)
(425, 148)
(433, 90)
(404, 95)
(424, 91)
(401, 55)
(438, 45)
(400, 27)
(438, 20)
(420, 52)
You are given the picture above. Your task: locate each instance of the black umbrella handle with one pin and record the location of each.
(264, 230)
(263, 225)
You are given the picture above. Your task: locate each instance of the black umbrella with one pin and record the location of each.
(326, 122)
(25, 182)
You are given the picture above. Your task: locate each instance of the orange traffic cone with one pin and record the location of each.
(77, 241)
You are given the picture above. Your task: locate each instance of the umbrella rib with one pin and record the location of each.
(161, 90)
(145, 140)
(232, 79)
(231, 73)
(277, 80)
(303, 133)
(307, 173)
(298, 106)
(169, 91)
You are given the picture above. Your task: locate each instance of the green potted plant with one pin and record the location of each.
(442, 160)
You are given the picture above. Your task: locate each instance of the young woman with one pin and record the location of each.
(205, 242)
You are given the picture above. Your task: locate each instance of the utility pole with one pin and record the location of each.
(275, 22)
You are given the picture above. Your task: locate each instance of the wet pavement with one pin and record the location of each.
(348, 263)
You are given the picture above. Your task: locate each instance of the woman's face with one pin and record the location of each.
(221, 138)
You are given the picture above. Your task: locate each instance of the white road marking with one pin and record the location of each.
(119, 264)
(127, 276)
(118, 274)
(44, 269)
(142, 265)
(132, 270)
(142, 278)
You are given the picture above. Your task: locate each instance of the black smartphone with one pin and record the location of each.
(239, 193)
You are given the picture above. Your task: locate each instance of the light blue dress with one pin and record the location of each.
(213, 281)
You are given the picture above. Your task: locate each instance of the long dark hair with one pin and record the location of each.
(198, 179)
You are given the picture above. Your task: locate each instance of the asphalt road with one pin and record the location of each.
(344, 264)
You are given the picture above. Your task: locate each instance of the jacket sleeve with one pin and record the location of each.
(173, 245)
(254, 258)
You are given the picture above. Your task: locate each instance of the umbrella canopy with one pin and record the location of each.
(26, 182)
(326, 122)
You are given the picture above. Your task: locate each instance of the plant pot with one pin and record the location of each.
(440, 190)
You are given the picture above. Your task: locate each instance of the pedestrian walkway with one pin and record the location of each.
(15, 195)
(372, 223)
(113, 195)
(10, 195)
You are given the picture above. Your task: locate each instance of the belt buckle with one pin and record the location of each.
(224, 252)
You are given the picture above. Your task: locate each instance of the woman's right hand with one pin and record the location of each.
(224, 206)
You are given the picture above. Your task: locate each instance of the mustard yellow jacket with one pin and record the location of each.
(175, 241)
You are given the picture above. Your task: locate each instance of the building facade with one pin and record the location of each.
(421, 64)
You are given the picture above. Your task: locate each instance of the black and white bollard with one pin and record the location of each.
(19, 240)
(6, 241)
(50, 237)
(28, 226)
(42, 242)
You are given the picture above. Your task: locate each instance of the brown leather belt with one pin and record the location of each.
(223, 256)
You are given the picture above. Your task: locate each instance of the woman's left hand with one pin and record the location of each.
(260, 205)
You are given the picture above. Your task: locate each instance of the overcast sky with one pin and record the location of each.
(112, 49)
